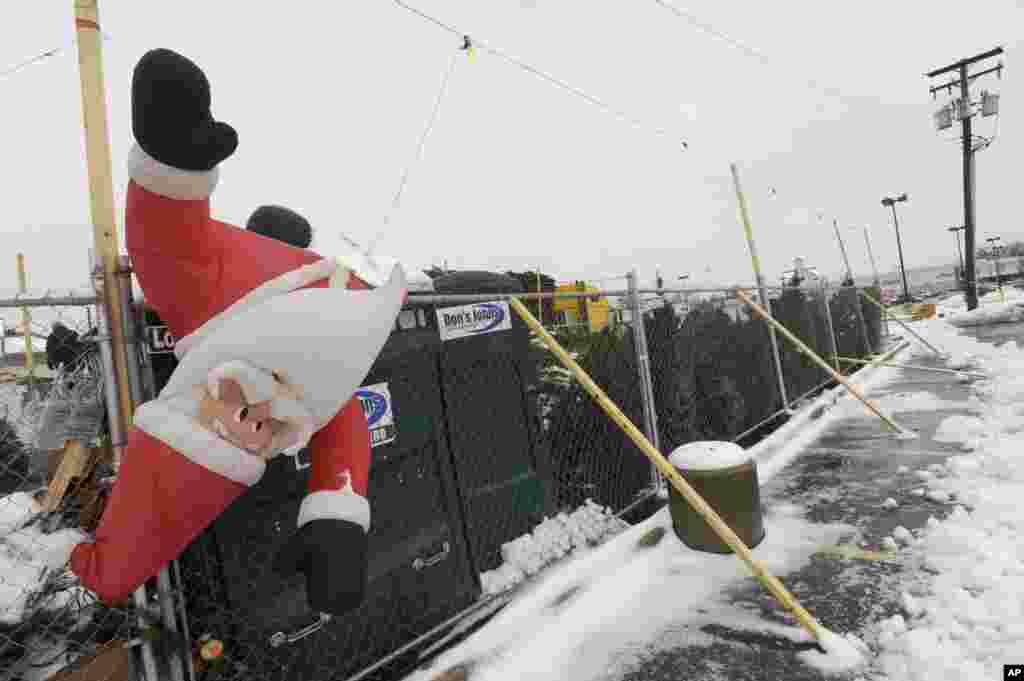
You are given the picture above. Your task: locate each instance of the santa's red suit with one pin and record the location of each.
(207, 280)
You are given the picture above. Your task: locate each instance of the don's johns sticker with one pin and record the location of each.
(380, 417)
(473, 320)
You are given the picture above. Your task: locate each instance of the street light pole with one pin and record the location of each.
(891, 203)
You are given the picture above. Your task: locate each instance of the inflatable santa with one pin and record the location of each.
(273, 342)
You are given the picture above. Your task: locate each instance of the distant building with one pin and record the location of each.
(593, 312)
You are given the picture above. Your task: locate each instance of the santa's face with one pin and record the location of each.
(247, 426)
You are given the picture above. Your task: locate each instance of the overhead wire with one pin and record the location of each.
(747, 50)
(421, 145)
(543, 75)
(42, 56)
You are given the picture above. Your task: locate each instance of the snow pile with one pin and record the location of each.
(842, 653)
(964, 617)
(554, 538)
(995, 313)
(708, 455)
(968, 431)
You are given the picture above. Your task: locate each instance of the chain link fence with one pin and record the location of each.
(489, 462)
(55, 474)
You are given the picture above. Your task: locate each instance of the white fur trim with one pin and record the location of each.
(179, 430)
(257, 385)
(165, 180)
(285, 283)
(343, 504)
(301, 425)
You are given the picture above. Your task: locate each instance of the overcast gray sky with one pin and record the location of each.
(330, 100)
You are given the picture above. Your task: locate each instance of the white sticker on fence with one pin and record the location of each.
(473, 320)
(380, 417)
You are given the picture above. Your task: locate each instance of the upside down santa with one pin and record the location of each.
(274, 341)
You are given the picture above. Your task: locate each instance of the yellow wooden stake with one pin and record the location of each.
(26, 321)
(101, 188)
(885, 313)
(802, 347)
(770, 582)
(895, 365)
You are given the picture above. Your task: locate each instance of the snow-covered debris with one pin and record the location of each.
(890, 504)
(938, 496)
(16, 510)
(902, 535)
(26, 556)
(995, 313)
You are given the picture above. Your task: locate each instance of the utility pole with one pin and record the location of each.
(963, 109)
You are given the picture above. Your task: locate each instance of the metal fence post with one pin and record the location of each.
(643, 362)
(141, 391)
(118, 435)
(863, 324)
(828, 321)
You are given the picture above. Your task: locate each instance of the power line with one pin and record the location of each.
(544, 75)
(747, 50)
(431, 121)
(15, 68)
(42, 56)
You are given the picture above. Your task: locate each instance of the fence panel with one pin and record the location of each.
(47, 621)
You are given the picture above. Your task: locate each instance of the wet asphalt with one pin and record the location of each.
(843, 477)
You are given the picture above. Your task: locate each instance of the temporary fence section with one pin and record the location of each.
(486, 453)
(55, 472)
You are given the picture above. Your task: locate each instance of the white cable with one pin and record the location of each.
(397, 200)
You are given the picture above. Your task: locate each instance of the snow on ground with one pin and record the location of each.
(599, 609)
(964, 606)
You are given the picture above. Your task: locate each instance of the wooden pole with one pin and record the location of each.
(885, 314)
(802, 347)
(101, 188)
(771, 583)
(26, 321)
(748, 232)
(937, 370)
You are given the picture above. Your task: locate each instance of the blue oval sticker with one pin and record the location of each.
(375, 405)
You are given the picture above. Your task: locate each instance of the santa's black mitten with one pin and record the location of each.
(332, 554)
(283, 224)
(171, 117)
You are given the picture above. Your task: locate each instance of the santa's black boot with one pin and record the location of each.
(171, 117)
